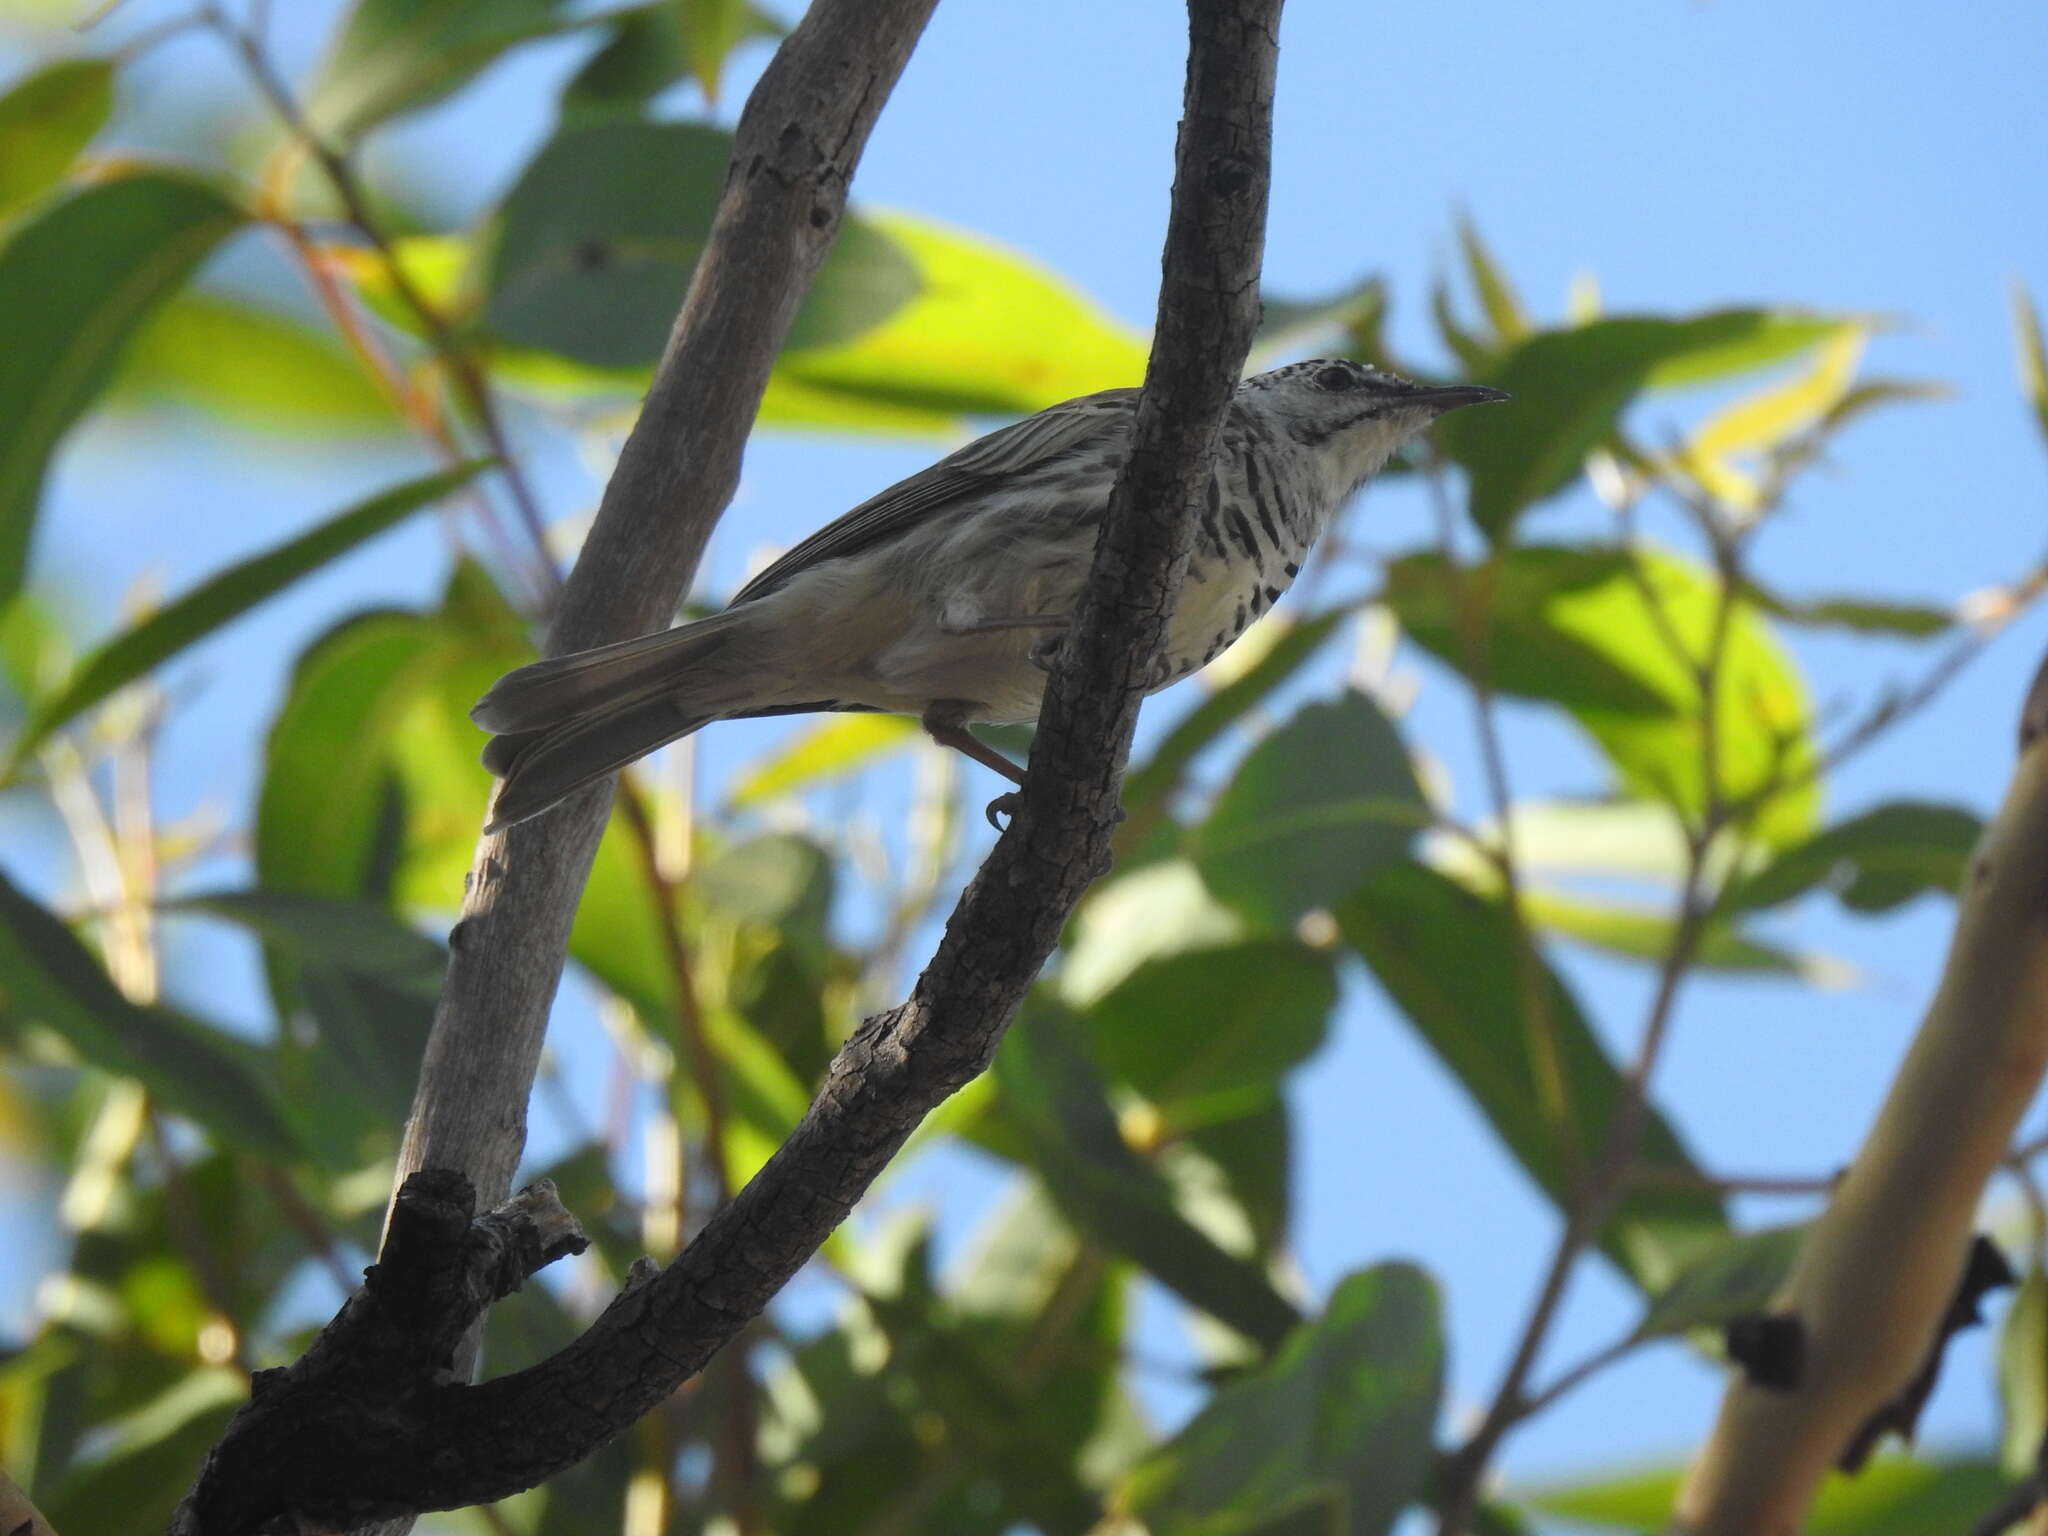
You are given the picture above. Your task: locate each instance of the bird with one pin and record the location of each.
(945, 595)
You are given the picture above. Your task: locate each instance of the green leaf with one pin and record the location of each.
(2033, 355)
(1646, 934)
(1892, 1496)
(1721, 450)
(1143, 914)
(1208, 1035)
(396, 56)
(147, 1457)
(712, 29)
(654, 46)
(1497, 296)
(2023, 1375)
(1336, 1431)
(1054, 1099)
(828, 749)
(348, 935)
(767, 879)
(988, 332)
(1734, 1277)
(51, 979)
(1905, 621)
(226, 597)
(1312, 812)
(75, 283)
(251, 368)
(46, 119)
(1876, 861)
(1147, 787)
(1571, 386)
(1360, 307)
(1599, 631)
(1448, 959)
(600, 233)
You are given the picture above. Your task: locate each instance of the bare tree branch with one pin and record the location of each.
(1876, 1278)
(450, 1444)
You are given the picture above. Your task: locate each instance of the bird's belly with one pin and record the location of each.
(1220, 601)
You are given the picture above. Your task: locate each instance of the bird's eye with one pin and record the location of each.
(1336, 378)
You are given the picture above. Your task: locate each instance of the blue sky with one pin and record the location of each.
(1685, 155)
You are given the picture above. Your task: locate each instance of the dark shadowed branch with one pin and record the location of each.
(449, 1445)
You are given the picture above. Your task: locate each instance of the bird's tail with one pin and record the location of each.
(560, 724)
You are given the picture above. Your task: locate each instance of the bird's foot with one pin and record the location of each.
(1004, 805)
(1045, 650)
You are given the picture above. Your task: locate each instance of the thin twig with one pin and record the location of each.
(446, 341)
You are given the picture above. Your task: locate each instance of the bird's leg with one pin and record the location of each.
(943, 724)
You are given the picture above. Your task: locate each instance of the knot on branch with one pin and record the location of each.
(355, 1400)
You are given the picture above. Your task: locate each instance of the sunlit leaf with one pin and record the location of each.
(1312, 812)
(1615, 639)
(828, 749)
(989, 332)
(1647, 934)
(394, 56)
(48, 977)
(712, 29)
(1735, 1277)
(1571, 386)
(1144, 914)
(1449, 961)
(1892, 1496)
(75, 283)
(2023, 1375)
(1207, 1035)
(1053, 1097)
(600, 233)
(1873, 862)
(1497, 296)
(46, 119)
(767, 879)
(1756, 424)
(225, 597)
(2033, 355)
(252, 369)
(1338, 1427)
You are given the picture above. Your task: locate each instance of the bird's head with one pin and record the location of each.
(1354, 416)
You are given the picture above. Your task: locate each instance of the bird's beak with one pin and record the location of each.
(1454, 397)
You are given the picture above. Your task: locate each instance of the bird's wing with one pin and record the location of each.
(1013, 450)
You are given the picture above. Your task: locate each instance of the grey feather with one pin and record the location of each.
(550, 764)
(1012, 451)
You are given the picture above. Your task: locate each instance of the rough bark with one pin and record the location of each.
(1876, 1278)
(454, 1445)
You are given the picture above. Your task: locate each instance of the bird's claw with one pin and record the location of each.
(1004, 804)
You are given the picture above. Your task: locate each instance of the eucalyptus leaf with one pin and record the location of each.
(1337, 1429)
(396, 56)
(1052, 1095)
(225, 597)
(1616, 638)
(46, 119)
(1874, 862)
(1571, 387)
(76, 282)
(1312, 812)
(51, 979)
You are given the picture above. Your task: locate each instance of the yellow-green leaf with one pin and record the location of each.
(832, 748)
(2026, 325)
(45, 120)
